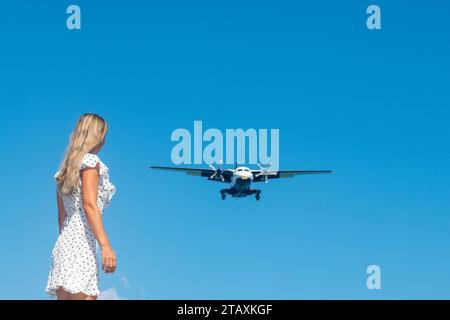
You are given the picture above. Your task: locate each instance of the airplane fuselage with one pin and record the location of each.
(240, 184)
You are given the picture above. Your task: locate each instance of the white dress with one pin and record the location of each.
(74, 257)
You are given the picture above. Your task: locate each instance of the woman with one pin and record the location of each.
(83, 192)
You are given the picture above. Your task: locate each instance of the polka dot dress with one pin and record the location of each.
(74, 257)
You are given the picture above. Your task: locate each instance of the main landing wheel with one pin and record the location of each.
(223, 196)
(257, 196)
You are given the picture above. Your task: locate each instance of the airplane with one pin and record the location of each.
(240, 178)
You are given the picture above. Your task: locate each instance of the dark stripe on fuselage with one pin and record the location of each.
(241, 187)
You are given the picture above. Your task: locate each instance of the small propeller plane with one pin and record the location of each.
(241, 178)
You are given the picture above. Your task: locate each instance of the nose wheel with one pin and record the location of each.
(258, 195)
(223, 194)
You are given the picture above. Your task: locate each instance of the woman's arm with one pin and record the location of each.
(89, 190)
(61, 212)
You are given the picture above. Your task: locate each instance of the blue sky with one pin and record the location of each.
(371, 105)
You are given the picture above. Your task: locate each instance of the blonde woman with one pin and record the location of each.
(83, 192)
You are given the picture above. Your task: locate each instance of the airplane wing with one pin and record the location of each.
(200, 173)
(284, 174)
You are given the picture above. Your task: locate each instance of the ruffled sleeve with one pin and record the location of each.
(89, 161)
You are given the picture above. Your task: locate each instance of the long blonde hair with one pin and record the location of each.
(88, 134)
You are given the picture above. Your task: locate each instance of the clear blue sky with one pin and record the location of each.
(371, 105)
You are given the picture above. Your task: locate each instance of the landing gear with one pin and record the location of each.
(258, 195)
(223, 194)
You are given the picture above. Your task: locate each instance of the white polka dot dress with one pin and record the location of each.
(74, 257)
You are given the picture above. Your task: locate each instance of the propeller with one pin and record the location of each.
(265, 172)
(217, 171)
